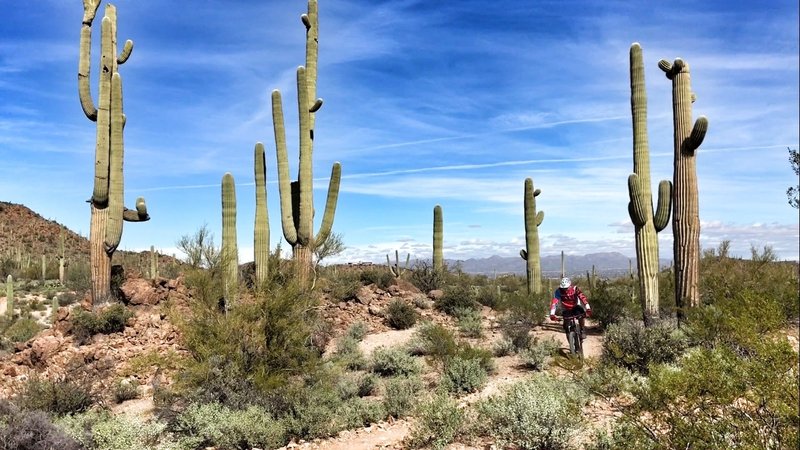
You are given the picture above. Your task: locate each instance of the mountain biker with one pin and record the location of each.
(572, 302)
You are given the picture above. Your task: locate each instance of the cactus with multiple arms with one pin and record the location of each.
(296, 198)
(438, 237)
(640, 208)
(686, 215)
(229, 251)
(530, 253)
(396, 270)
(261, 227)
(107, 207)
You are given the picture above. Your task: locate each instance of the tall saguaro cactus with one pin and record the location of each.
(106, 202)
(640, 208)
(438, 237)
(533, 265)
(686, 214)
(261, 227)
(10, 296)
(297, 201)
(229, 251)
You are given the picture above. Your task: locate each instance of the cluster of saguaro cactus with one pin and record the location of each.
(10, 296)
(438, 236)
(640, 208)
(686, 215)
(261, 226)
(296, 198)
(396, 269)
(106, 202)
(533, 265)
(229, 251)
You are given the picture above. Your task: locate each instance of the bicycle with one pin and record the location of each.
(572, 328)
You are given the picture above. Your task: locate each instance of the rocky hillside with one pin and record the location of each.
(26, 234)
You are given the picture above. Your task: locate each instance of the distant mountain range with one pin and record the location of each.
(606, 264)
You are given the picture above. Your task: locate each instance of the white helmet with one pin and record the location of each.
(565, 283)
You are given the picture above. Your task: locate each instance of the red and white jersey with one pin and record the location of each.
(568, 298)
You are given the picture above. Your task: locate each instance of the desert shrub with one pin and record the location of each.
(109, 320)
(483, 356)
(367, 384)
(489, 295)
(457, 299)
(439, 421)
(632, 345)
(22, 329)
(609, 380)
(470, 324)
(539, 413)
(463, 375)
(30, 430)
(344, 286)
(516, 330)
(504, 347)
(740, 321)
(357, 330)
(56, 397)
(537, 354)
(381, 278)
(67, 298)
(390, 362)
(401, 394)
(125, 390)
(425, 278)
(400, 315)
(433, 340)
(612, 301)
(101, 430)
(212, 424)
(716, 398)
(349, 354)
(531, 309)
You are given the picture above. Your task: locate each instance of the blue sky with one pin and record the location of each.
(426, 102)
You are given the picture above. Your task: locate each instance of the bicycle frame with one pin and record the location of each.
(572, 328)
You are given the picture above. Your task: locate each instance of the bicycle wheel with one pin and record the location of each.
(574, 341)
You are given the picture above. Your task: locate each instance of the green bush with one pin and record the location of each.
(463, 375)
(109, 320)
(212, 424)
(125, 390)
(100, 430)
(401, 395)
(612, 301)
(539, 413)
(632, 345)
(425, 278)
(716, 398)
(22, 329)
(400, 315)
(381, 278)
(504, 347)
(344, 286)
(349, 354)
(357, 330)
(489, 295)
(457, 299)
(537, 354)
(390, 362)
(56, 397)
(609, 380)
(30, 430)
(67, 298)
(470, 323)
(439, 421)
(433, 340)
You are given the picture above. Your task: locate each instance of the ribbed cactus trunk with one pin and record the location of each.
(106, 202)
(396, 269)
(61, 258)
(153, 263)
(438, 237)
(229, 252)
(297, 201)
(10, 296)
(640, 208)
(261, 227)
(686, 214)
(533, 265)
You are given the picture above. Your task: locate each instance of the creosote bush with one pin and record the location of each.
(457, 299)
(463, 376)
(109, 320)
(55, 397)
(439, 421)
(401, 395)
(631, 345)
(537, 354)
(400, 315)
(426, 278)
(21, 330)
(395, 361)
(381, 278)
(30, 430)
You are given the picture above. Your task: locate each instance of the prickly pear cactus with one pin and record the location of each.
(686, 214)
(640, 208)
(230, 251)
(438, 237)
(108, 211)
(296, 197)
(530, 253)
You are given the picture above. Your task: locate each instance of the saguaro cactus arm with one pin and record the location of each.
(661, 219)
(84, 92)
(330, 203)
(284, 182)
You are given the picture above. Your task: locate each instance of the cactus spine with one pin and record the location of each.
(296, 198)
(640, 207)
(396, 270)
(106, 202)
(229, 252)
(686, 215)
(438, 236)
(261, 228)
(10, 297)
(530, 254)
